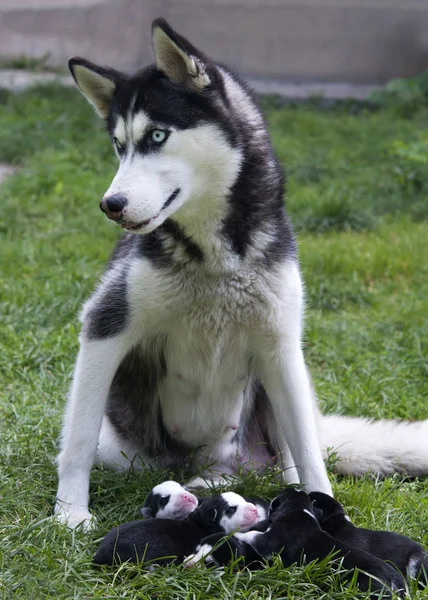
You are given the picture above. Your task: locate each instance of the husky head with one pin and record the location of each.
(177, 129)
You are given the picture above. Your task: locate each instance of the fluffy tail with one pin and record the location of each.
(381, 447)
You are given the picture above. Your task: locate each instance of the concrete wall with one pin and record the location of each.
(357, 41)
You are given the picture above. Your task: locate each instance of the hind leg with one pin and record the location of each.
(117, 453)
(266, 446)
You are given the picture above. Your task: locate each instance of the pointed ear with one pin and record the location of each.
(146, 512)
(178, 59)
(96, 83)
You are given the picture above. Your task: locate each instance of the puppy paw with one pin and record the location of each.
(203, 553)
(190, 561)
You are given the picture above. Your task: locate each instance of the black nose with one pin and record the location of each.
(113, 206)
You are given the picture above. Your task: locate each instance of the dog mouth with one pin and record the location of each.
(137, 226)
(129, 226)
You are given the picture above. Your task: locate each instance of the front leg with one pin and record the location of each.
(96, 365)
(287, 384)
(281, 366)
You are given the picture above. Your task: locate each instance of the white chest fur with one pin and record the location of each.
(202, 394)
(206, 323)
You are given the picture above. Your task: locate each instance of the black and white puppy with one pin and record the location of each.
(172, 500)
(165, 541)
(295, 534)
(169, 500)
(400, 551)
(220, 550)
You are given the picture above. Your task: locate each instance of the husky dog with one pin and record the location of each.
(191, 346)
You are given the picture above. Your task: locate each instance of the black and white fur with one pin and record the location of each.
(172, 500)
(398, 550)
(167, 540)
(261, 505)
(218, 550)
(169, 500)
(296, 535)
(191, 346)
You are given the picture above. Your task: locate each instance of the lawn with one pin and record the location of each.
(357, 192)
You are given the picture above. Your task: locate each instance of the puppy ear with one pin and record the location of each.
(317, 511)
(274, 504)
(212, 515)
(178, 59)
(96, 83)
(146, 512)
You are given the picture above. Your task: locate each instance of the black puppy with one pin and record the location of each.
(400, 551)
(296, 535)
(164, 541)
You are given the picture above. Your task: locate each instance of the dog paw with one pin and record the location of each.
(206, 483)
(200, 557)
(189, 561)
(75, 518)
(198, 483)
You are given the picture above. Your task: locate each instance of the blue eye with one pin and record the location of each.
(158, 136)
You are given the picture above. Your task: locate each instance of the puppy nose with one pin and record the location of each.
(251, 510)
(113, 206)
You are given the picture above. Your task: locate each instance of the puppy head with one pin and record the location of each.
(228, 512)
(325, 507)
(290, 500)
(169, 500)
(261, 505)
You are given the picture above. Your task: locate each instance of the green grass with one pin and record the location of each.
(360, 210)
(28, 63)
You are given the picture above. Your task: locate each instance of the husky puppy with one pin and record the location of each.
(191, 346)
(168, 540)
(296, 535)
(398, 550)
(169, 500)
(220, 550)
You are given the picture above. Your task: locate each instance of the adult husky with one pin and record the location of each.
(191, 345)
